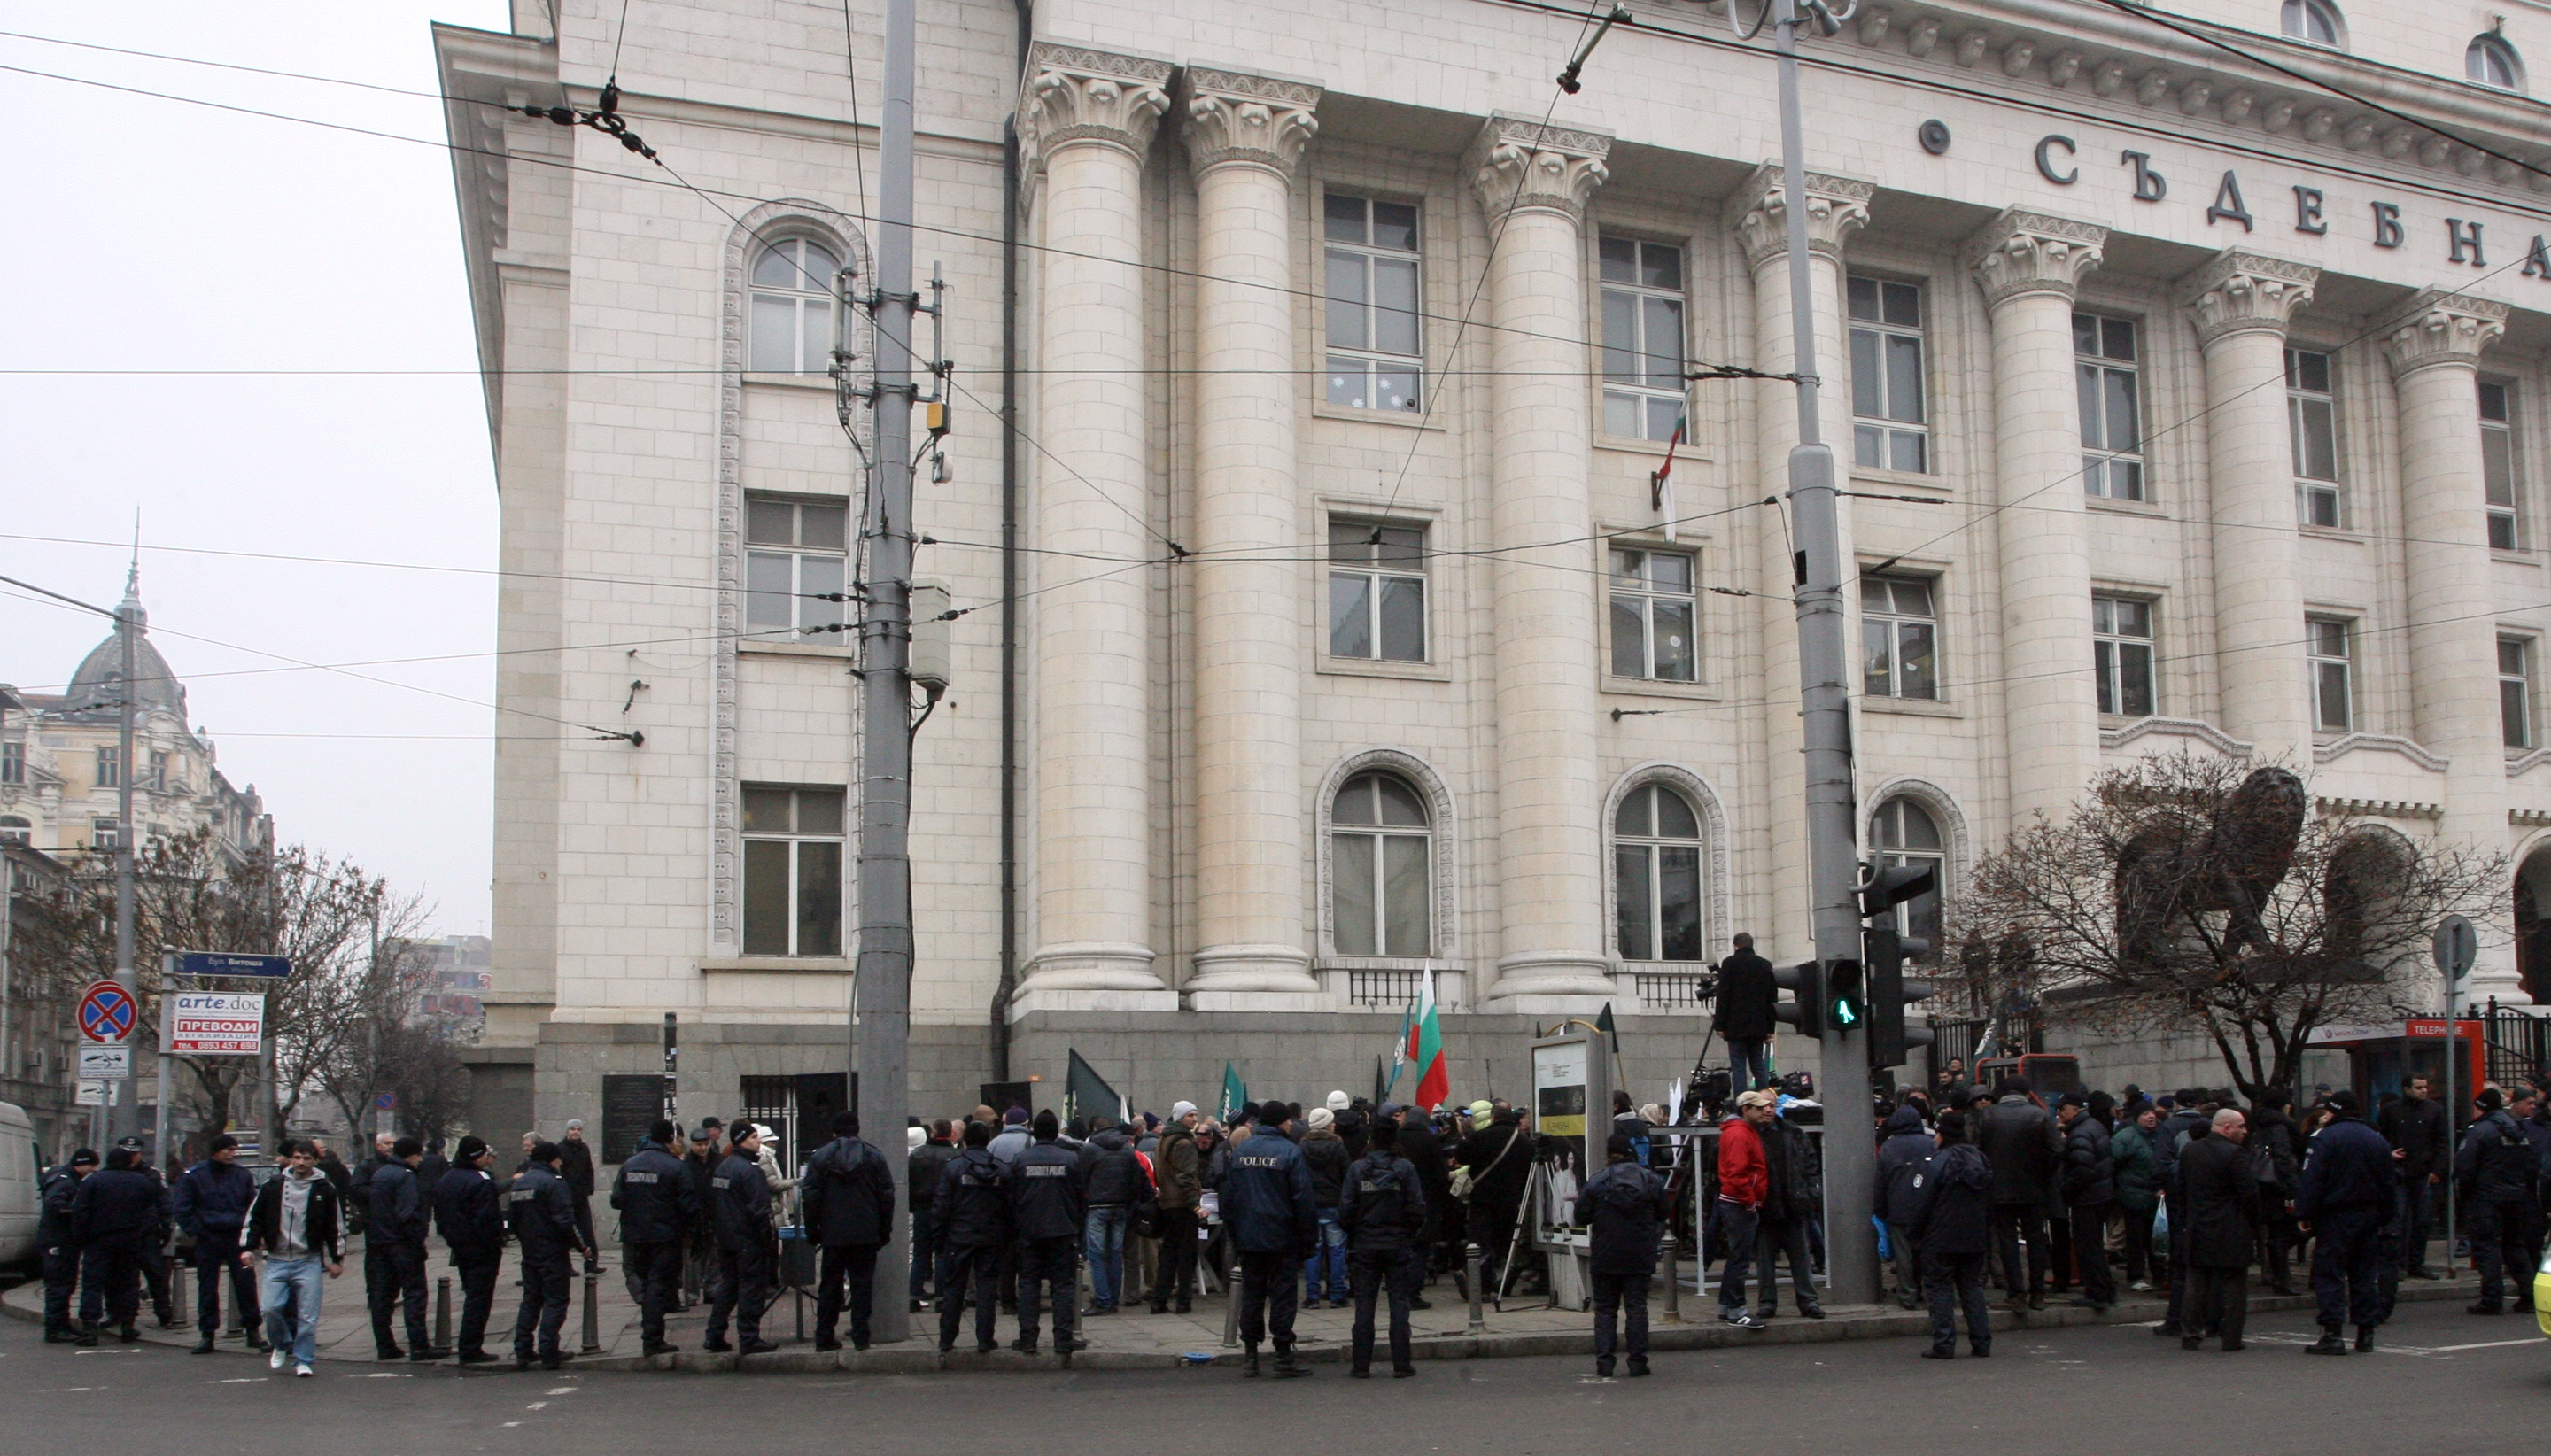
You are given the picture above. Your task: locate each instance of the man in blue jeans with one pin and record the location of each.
(1117, 1182)
(297, 1225)
(1746, 993)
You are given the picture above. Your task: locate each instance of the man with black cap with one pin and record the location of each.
(543, 1213)
(394, 1252)
(472, 1220)
(1049, 1188)
(211, 1206)
(2087, 1180)
(155, 1251)
(740, 1205)
(114, 1213)
(700, 1164)
(848, 1201)
(972, 1209)
(653, 1195)
(61, 1250)
(2349, 1184)
(2494, 1173)
(1381, 1209)
(1625, 1208)
(1273, 1217)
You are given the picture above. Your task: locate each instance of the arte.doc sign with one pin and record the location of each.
(215, 1023)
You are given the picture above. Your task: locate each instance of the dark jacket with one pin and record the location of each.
(543, 1213)
(1497, 1176)
(1049, 1189)
(701, 1165)
(740, 1204)
(2275, 1138)
(116, 1206)
(971, 1205)
(324, 1222)
(2022, 1145)
(2175, 1130)
(1795, 1185)
(54, 1223)
(2088, 1177)
(576, 1165)
(1116, 1177)
(1176, 1168)
(1382, 1203)
(847, 1196)
(2416, 1127)
(1952, 1196)
(1424, 1149)
(1900, 1159)
(430, 1170)
(2496, 1164)
(214, 1195)
(1325, 1154)
(2222, 1205)
(921, 1170)
(1746, 995)
(468, 1211)
(1267, 1198)
(1625, 1207)
(2130, 1155)
(398, 1207)
(2347, 1166)
(1355, 1131)
(654, 1194)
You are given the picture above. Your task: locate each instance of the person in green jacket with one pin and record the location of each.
(2131, 1147)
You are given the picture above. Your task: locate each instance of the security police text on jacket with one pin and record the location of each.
(214, 1195)
(120, 1203)
(740, 1203)
(399, 1206)
(847, 1196)
(543, 1213)
(2348, 1165)
(1625, 1207)
(1382, 1203)
(1049, 1188)
(971, 1205)
(654, 1194)
(468, 1211)
(1266, 1197)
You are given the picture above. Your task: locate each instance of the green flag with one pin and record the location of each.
(1603, 1024)
(1085, 1094)
(1234, 1093)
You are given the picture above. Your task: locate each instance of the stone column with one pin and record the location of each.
(2242, 302)
(1245, 134)
(2028, 263)
(1090, 117)
(1533, 183)
(1837, 207)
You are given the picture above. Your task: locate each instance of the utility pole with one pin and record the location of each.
(122, 1117)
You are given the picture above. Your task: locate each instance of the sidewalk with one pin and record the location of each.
(1135, 1338)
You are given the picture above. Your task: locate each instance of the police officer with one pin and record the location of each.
(848, 1201)
(543, 1219)
(155, 1252)
(739, 1204)
(394, 1252)
(61, 1250)
(472, 1220)
(971, 1209)
(1049, 1186)
(1625, 1208)
(114, 1215)
(1383, 1210)
(1273, 1217)
(656, 1209)
(212, 1202)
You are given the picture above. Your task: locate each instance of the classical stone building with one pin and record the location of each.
(1332, 619)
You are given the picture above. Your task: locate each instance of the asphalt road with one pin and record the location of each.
(2447, 1382)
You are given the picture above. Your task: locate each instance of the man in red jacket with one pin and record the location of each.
(1744, 1180)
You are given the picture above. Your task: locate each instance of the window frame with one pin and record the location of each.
(808, 611)
(2104, 465)
(105, 835)
(2320, 664)
(1886, 430)
(1645, 598)
(17, 829)
(797, 300)
(2487, 46)
(793, 870)
(2515, 691)
(109, 766)
(1896, 619)
(1380, 576)
(2510, 513)
(1639, 389)
(1651, 849)
(2306, 11)
(2111, 648)
(2313, 491)
(1381, 837)
(13, 760)
(1373, 362)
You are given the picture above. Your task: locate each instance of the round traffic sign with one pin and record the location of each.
(2457, 946)
(106, 1012)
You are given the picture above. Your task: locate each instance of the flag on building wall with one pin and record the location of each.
(1235, 1092)
(1425, 1047)
(1085, 1094)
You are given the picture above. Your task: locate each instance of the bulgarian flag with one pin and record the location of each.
(1425, 1047)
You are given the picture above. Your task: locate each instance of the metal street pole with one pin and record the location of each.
(1833, 858)
(128, 623)
(880, 1017)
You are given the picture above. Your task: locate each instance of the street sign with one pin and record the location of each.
(386, 1101)
(97, 1092)
(106, 1012)
(2457, 946)
(106, 1060)
(214, 1023)
(222, 963)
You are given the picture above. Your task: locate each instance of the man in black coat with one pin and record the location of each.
(2022, 1145)
(1625, 1208)
(576, 1165)
(543, 1213)
(1049, 1189)
(2347, 1191)
(1423, 1147)
(1794, 1194)
(1500, 1157)
(2422, 1143)
(701, 1161)
(394, 1252)
(921, 1170)
(1746, 995)
(2498, 1181)
(210, 1204)
(740, 1210)
(2088, 1183)
(1951, 1221)
(848, 1203)
(657, 1210)
(114, 1213)
(1381, 1206)
(472, 1219)
(58, 1248)
(2221, 1204)
(1907, 1146)
(971, 1209)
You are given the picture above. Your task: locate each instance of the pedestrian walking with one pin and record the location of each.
(1907, 1146)
(1048, 1194)
(2224, 1220)
(296, 1230)
(472, 1219)
(971, 1209)
(2023, 1147)
(1624, 1208)
(1951, 1218)
(1274, 1219)
(2088, 1183)
(1744, 1183)
(543, 1213)
(1747, 996)
(394, 1253)
(657, 1210)
(2347, 1192)
(921, 1169)
(58, 1246)
(114, 1214)
(848, 1199)
(210, 1204)
(1382, 1210)
(2497, 1183)
(1178, 1172)
(1325, 1154)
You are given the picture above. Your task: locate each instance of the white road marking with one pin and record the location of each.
(561, 1391)
(2486, 1345)
(386, 1374)
(538, 1406)
(513, 1422)
(107, 1352)
(245, 1379)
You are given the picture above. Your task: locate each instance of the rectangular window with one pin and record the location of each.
(2312, 410)
(1374, 359)
(2497, 463)
(1889, 416)
(2121, 647)
(796, 553)
(104, 835)
(2104, 360)
(13, 762)
(792, 871)
(1899, 637)
(1643, 383)
(1376, 591)
(109, 769)
(1654, 616)
(2515, 691)
(2333, 685)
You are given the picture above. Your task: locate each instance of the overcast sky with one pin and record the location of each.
(151, 234)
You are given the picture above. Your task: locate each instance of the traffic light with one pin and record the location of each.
(1885, 950)
(1845, 998)
(1807, 984)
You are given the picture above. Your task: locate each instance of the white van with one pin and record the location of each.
(20, 1167)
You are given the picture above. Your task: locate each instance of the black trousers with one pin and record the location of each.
(975, 1270)
(154, 1257)
(2139, 1245)
(110, 1282)
(2498, 1233)
(1270, 1291)
(2419, 1200)
(217, 1250)
(1625, 1295)
(2058, 1248)
(857, 1263)
(546, 1279)
(1738, 1226)
(1393, 1274)
(1053, 1265)
(1772, 1238)
(394, 1272)
(2218, 1298)
(2090, 1252)
(2347, 1266)
(2012, 1223)
(1175, 1277)
(478, 1270)
(1951, 1282)
(740, 1290)
(62, 1282)
(924, 1275)
(654, 1270)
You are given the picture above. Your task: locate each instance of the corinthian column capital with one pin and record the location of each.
(2240, 292)
(2442, 328)
(1837, 207)
(1075, 94)
(1246, 120)
(1517, 162)
(2023, 251)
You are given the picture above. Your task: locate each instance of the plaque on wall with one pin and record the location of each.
(630, 1106)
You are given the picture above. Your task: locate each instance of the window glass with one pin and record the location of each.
(2312, 419)
(1887, 375)
(1376, 591)
(1370, 270)
(1643, 338)
(2122, 654)
(1381, 851)
(794, 886)
(1654, 616)
(792, 321)
(1657, 870)
(1899, 638)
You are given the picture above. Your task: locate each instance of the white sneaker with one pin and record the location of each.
(274, 1361)
(303, 1369)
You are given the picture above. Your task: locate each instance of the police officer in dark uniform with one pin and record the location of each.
(1049, 1185)
(1273, 1217)
(155, 1253)
(394, 1252)
(472, 1220)
(848, 1201)
(740, 1204)
(115, 1214)
(544, 1218)
(212, 1202)
(972, 1209)
(1382, 1207)
(61, 1250)
(656, 1209)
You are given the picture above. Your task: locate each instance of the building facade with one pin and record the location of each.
(1357, 588)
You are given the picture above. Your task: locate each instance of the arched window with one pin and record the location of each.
(2489, 60)
(14, 830)
(793, 308)
(2313, 21)
(1384, 882)
(1656, 851)
(1908, 836)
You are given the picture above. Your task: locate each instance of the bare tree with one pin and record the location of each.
(2190, 893)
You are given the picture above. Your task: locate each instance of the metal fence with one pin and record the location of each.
(2518, 1044)
(1674, 990)
(1383, 987)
